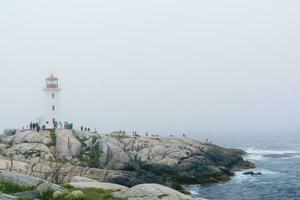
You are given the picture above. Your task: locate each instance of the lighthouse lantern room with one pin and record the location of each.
(52, 103)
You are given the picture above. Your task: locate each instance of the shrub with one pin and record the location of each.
(76, 195)
(58, 195)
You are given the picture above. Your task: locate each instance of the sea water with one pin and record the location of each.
(280, 179)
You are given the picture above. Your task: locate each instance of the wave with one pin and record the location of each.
(261, 154)
(252, 150)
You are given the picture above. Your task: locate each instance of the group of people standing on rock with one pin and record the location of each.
(134, 133)
(35, 126)
(87, 129)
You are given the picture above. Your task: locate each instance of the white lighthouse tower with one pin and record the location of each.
(52, 109)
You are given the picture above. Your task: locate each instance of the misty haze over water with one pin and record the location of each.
(227, 71)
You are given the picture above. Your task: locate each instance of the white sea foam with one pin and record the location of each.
(267, 151)
(262, 154)
(239, 177)
(254, 157)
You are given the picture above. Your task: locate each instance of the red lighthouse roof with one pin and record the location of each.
(51, 78)
(51, 82)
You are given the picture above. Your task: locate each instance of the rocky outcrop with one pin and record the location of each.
(83, 182)
(34, 188)
(151, 192)
(59, 155)
(7, 197)
(29, 181)
(67, 146)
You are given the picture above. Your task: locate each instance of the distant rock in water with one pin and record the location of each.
(58, 155)
(252, 173)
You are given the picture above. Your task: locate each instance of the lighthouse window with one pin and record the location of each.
(52, 95)
(53, 108)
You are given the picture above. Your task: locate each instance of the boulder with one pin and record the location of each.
(30, 150)
(98, 185)
(252, 173)
(81, 179)
(7, 197)
(151, 192)
(113, 157)
(45, 185)
(9, 132)
(34, 194)
(19, 179)
(29, 181)
(33, 137)
(67, 146)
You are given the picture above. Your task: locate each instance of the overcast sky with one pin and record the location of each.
(204, 68)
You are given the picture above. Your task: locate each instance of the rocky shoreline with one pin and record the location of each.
(59, 155)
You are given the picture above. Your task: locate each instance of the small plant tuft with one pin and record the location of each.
(53, 137)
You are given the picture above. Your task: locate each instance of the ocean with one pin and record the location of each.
(280, 179)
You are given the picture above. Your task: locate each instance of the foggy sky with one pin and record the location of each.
(204, 68)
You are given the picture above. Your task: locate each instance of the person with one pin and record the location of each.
(37, 127)
(55, 124)
(88, 129)
(81, 128)
(33, 126)
(146, 134)
(30, 125)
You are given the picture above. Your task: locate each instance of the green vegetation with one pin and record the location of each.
(94, 139)
(26, 198)
(10, 188)
(98, 194)
(53, 137)
(9, 144)
(47, 195)
(32, 153)
(91, 156)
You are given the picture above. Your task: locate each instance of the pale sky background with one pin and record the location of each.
(216, 69)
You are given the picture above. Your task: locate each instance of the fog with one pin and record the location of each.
(223, 70)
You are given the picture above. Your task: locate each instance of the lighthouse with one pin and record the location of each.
(52, 102)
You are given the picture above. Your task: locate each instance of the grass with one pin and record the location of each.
(11, 188)
(98, 194)
(53, 137)
(90, 193)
